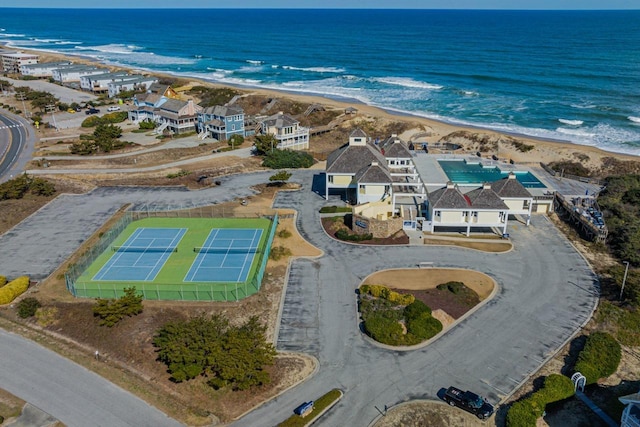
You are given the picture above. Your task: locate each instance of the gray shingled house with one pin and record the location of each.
(514, 195)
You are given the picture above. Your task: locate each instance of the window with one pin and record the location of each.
(363, 188)
(331, 179)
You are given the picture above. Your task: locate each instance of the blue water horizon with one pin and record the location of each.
(562, 75)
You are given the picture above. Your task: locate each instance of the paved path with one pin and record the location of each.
(547, 292)
(69, 392)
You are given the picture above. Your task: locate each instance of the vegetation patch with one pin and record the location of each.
(278, 252)
(525, 412)
(599, 358)
(343, 234)
(319, 406)
(178, 174)
(13, 289)
(521, 146)
(28, 307)
(23, 184)
(570, 168)
(228, 356)
(395, 319)
(112, 311)
(335, 209)
(623, 324)
(287, 159)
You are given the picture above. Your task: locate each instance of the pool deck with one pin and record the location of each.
(434, 176)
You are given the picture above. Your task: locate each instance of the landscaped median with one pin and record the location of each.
(319, 407)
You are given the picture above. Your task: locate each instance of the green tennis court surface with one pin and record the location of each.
(182, 259)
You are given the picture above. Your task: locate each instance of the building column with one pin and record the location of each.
(506, 222)
(326, 186)
(530, 209)
(468, 219)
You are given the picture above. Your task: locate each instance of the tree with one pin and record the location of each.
(265, 144)
(28, 307)
(280, 177)
(235, 140)
(112, 311)
(229, 356)
(104, 132)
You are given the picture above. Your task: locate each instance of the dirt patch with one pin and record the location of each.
(10, 406)
(489, 246)
(428, 414)
(429, 278)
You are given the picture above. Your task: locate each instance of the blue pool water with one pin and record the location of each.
(461, 172)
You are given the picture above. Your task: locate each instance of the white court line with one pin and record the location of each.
(179, 235)
(253, 245)
(115, 257)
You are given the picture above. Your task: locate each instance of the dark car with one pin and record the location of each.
(468, 401)
(92, 111)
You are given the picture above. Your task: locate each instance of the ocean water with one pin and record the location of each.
(566, 75)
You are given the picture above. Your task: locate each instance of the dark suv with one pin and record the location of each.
(469, 402)
(91, 110)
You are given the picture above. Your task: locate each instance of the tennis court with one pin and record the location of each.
(226, 256)
(188, 259)
(142, 255)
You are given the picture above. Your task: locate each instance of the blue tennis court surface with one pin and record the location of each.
(142, 256)
(226, 256)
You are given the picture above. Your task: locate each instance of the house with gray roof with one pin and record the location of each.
(515, 196)
(287, 131)
(44, 69)
(479, 208)
(366, 173)
(177, 116)
(221, 121)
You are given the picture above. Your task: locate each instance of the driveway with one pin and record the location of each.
(547, 292)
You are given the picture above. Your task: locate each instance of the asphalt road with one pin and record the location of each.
(547, 292)
(69, 392)
(17, 141)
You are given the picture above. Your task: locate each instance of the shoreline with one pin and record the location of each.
(545, 151)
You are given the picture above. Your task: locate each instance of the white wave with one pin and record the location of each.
(119, 49)
(408, 82)
(255, 62)
(315, 69)
(46, 40)
(576, 132)
(250, 69)
(470, 93)
(571, 122)
(67, 42)
(584, 106)
(275, 66)
(634, 119)
(13, 35)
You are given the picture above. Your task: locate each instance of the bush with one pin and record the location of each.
(13, 289)
(383, 329)
(287, 159)
(277, 252)
(599, 358)
(343, 234)
(335, 209)
(28, 307)
(112, 311)
(424, 327)
(3, 281)
(526, 412)
(147, 125)
(284, 233)
(109, 118)
(416, 309)
(453, 287)
(235, 140)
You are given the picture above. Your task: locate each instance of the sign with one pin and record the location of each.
(361, 224)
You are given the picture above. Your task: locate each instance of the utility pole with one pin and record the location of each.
(22, 96)
(624, 280)
(51, 108)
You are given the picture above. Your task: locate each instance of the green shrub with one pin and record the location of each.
(343, 234)
(416, 309)
(277, 252)
(453, 287)
(319, 405)
(147, 125)
(91, 121)
(178, 174)
(383, 329)
(522, 414)
(424, 327)
(112, 311)
(3, 281)
(557, 387)
(235, 140)
(398, 298)
(599, 358)
(28, 307)
(287, 159)
(335, 209)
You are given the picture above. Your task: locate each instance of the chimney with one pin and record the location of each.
(281, 113)
(374, 163)
(450, 185)
(512, 175)
(486, 186)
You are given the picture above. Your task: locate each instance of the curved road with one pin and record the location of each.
(17, 141)
(547, 292)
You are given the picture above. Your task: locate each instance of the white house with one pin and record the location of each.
(44, 69)
(134, 82)
(514, 195)
(479, 208)
(74, 72)
(98, 82)
(12, 61)
(287, 130)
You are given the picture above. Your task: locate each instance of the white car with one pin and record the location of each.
(113, 108)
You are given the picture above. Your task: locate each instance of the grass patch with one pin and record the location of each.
(319, 405)
(277, 252)
(335, 209)
(622, 324)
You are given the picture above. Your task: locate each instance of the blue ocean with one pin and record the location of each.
(565, 75)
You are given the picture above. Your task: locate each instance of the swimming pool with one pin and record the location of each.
(461, 172)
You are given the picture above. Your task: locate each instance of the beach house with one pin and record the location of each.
(44, 69)
(479, 208)
(177, 116)
(221, 121)
(133, 82)
(73, 73)
(287, 131)
(12, 61)
(631, 413)
(145, 104)
(98, 82)
(515, 196)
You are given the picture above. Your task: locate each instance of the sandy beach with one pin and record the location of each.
(545, 151)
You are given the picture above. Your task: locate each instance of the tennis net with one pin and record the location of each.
(143, 249)
(212, 250)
